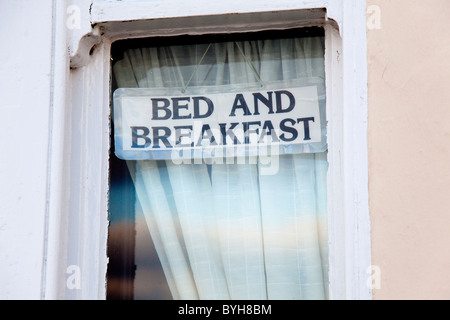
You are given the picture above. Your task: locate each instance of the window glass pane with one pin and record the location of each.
(222, 230)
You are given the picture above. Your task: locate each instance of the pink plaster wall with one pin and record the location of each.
(409, 148)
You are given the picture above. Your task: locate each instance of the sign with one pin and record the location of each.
(150, 123)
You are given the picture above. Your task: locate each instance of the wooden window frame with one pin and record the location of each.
(77, 216)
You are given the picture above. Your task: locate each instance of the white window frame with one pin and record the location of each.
(77, 216)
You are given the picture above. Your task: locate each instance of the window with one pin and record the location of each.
(78, 217)
(220, 225)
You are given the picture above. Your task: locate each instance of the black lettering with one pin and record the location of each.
(161, 137)
(239, 103)
(267, 101)
(177, 107)
(247, 130)
(291, 130)
(268, 130)
(306, 126)
(164, 107)
(279, 100)
(135, 136)
(179, 135)
(209, 103)
(212, 140)
(228, 133)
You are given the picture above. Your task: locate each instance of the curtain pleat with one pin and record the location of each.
(239, 228)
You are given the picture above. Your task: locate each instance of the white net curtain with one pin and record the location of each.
(226, 231)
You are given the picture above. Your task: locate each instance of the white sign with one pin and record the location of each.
(148, 125)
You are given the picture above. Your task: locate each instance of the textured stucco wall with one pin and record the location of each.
(409, 148)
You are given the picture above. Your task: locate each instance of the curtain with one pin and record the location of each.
(227, 231)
